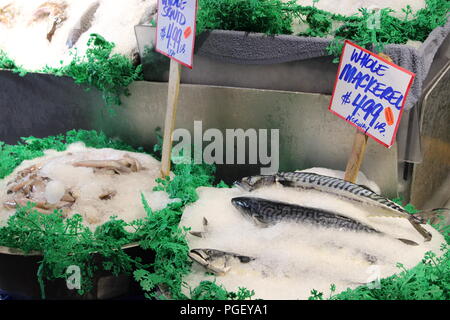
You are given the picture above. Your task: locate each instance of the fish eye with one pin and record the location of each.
(248, 180)
(253, 180)
(240, 203)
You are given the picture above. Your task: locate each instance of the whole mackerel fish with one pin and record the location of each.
(337, 187)
(267, 212)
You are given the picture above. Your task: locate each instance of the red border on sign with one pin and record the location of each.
(193, 41)
(413, 75)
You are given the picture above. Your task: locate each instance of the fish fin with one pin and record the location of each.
(218, 270)
(245, 259)
(408, 242)
(390, 214)
(197, 258)
(198, 234)
(243, 186)
(201, 234)
(366, 187)
(284, 182)
(259, 222)
(291, 184)
(226, 269)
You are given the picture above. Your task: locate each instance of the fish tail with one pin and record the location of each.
(197, 234)
(74, 35)
(424, 215)
(420, 229)
(408, 242)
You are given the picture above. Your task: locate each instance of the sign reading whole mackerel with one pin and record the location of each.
(370, 93)
(175, 30)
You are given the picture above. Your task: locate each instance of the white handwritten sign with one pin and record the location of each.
(370, 93)
(175, 30)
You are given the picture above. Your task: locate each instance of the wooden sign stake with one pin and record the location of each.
(175, 38)
(171, 112)
(356, 156)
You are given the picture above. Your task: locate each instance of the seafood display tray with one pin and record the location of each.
(18, 277)
(276, 85)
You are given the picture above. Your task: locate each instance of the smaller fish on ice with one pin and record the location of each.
(82, 25)
(127, 164)
(54, 12)
(217, 261)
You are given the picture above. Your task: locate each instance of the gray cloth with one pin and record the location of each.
(254, 48)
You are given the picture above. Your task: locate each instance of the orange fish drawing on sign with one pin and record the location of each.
(389, 115)
(187, 32)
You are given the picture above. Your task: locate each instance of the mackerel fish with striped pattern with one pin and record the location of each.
(338, 187)
(267, 212)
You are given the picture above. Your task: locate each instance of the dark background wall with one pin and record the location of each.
(41, 105)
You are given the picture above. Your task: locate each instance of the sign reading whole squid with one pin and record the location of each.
(175, 31)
